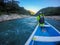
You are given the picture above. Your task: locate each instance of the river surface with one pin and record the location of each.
(53, 22)
(16, 32)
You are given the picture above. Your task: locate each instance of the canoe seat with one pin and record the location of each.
(46, 25)
(46, 39)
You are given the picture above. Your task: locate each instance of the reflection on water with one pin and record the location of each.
(16, 32)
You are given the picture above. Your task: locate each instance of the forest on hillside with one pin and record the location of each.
(51, 11)
(11, 6)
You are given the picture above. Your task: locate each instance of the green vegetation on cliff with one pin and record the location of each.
(51, 11)
(8, 7)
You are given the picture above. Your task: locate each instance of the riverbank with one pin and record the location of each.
(12, 16)
(16, 16)
(53, 17)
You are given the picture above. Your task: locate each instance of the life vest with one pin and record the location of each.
(41, 20)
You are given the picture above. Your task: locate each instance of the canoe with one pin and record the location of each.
(48, 35)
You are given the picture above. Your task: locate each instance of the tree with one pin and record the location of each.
(11, 6)
(50, 11)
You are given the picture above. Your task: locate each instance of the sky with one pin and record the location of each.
(36, 5)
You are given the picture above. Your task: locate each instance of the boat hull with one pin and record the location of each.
(47, 35)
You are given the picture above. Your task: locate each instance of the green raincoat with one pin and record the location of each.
(38, 18)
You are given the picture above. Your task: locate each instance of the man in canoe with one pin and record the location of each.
(40, 19)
